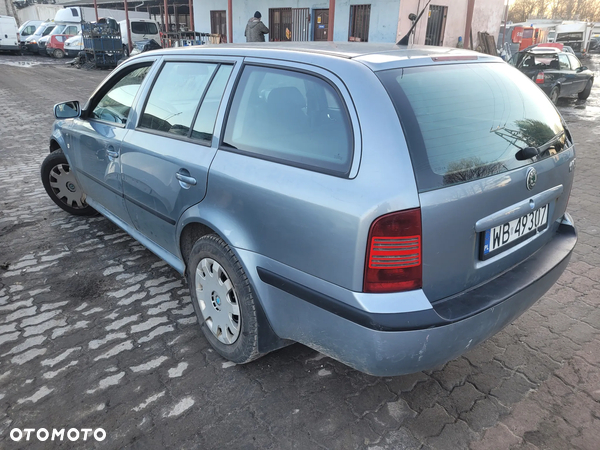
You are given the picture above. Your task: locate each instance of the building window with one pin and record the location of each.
(218, 24)
(360, 16)
(436, 24)
(288, 24)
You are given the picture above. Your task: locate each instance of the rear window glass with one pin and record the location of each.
(467, 121)
(290, 117)
(144, 28)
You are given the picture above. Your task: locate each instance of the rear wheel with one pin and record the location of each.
(58, 53)
(62, 186)
(554, 94)
(223, 299)
(586, 92)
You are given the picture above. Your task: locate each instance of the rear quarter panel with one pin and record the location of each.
(314, 222)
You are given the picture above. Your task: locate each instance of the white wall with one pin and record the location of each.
(382, 28)
(487, 16)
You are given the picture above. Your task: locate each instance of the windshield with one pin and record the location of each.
(58, 29)
(564, 37)
(39, 30)
(467, 121)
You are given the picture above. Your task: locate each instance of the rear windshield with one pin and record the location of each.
(144, 28)
(467, 121)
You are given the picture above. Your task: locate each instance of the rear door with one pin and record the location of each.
(165, 160)
(484, 208)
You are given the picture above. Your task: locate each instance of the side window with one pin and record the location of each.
(71, 30)
(575, 64)
(175, 96)
(290, 117)
(114, 105)
(207, 114)
(47, 31)
(138, 27)
(564, 62)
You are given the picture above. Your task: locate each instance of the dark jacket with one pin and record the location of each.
(255, 30)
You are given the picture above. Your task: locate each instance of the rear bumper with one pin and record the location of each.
(424, 339)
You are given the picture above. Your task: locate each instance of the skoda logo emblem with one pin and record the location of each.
(531, 178)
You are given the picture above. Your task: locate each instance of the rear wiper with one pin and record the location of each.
(527, 153)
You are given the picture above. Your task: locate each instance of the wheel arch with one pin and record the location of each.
(54, 145)
(192, 229)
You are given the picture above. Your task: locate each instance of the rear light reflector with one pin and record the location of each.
(394, 253)
(540, 78)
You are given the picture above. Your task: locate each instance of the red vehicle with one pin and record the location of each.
(528, 36)
(56, 43)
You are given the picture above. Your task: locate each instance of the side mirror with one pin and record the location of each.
(67, 110)
(582, 68)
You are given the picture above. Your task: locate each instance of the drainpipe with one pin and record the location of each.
(470, 7)
(229, 21)
(331, 20)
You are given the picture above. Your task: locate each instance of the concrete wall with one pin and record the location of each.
(48, 12)
(487, 16)
(382, 28)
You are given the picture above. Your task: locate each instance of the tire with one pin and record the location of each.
(62, 186)
(58, 53)
(586, 92)
(125, 51)
(219, 289)
(554, 94)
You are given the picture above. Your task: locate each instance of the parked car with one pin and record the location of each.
(27, 29)
(558, 74)
(74, 45)
(31, 43)
(58, 36)
(356, 198)
(9, 35)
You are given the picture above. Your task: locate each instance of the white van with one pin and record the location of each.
(141, 29)
(28, 28)
(9, 35)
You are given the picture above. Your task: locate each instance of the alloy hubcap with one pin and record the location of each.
(218, 301)
(65, 186)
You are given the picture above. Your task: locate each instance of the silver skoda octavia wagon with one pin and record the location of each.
(388, 206)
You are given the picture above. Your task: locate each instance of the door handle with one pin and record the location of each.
(112, 154)
(183, 178)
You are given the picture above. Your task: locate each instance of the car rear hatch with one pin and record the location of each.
(494, 167)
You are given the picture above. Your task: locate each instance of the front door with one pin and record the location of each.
(321, 24)
(165, 160)
(94, 141)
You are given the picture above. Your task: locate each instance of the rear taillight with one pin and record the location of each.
(540, 78)
(394, 253)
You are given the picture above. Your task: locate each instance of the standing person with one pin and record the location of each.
(256, 30)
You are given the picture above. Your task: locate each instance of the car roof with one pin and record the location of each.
(377, 56)
(545, 50)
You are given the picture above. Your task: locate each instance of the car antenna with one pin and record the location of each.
(404, 40)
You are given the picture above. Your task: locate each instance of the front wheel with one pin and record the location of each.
(62, 186)
(223, 299)
(554, 94)
(586, 92)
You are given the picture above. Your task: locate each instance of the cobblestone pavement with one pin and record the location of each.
(96, 331)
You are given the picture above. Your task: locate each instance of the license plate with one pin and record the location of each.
(509, 234)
